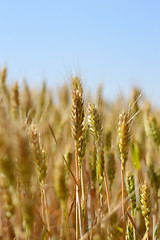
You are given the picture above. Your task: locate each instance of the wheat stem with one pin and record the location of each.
(78, 203)
(123, 203)
(107, 191)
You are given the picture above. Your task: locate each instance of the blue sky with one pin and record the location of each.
(116, 43)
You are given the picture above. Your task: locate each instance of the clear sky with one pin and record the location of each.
(116, 43)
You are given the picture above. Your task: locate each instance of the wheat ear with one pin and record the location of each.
(123, 144)
(146, 205)
(77, 118)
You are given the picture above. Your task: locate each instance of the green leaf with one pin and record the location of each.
(135, 155)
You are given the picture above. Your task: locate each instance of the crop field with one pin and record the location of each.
(77, 167)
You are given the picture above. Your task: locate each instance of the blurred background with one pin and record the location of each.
(113, 43)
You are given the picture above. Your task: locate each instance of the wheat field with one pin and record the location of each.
(77, 167)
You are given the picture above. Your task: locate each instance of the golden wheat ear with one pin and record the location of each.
(136, 95)
(111, 168)
(42, 100)
(68, 156)
(27, 105)
(129, 230)
(15, 104)
(39, 156)
(124, 136)
(130, 184)
(95, 126)
(131, 190)
(77, 109)
(38, 153)
(77, 127)
(146, 205)
(3, 86)
(92, 164)
(151, 127)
